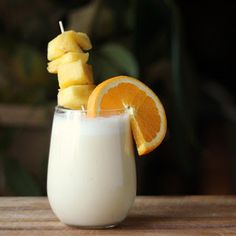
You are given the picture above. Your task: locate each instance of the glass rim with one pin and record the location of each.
(65, 109)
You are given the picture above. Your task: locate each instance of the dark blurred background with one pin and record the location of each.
(184, 50)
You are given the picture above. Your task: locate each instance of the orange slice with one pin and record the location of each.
(147, 115)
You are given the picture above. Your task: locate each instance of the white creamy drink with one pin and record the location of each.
(91, 171)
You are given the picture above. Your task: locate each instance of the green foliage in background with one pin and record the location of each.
(23, 62)
(131, 37)
(112, 60)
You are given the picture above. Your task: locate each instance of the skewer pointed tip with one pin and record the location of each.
(61, 26)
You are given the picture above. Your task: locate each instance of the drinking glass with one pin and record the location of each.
(91, 179)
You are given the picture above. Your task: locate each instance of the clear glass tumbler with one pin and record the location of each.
(91, 171)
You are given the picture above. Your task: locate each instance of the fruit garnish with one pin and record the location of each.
(63, 43)
(66, 58)
(74, 73)
(147, 114)
(69, 62)
(83, 41)
(75, 97)
(68, 41)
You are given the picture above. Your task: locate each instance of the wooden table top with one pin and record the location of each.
(184, 215)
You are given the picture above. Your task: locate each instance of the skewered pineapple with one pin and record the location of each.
(66, 58)
(74, 73)
(75, 76)
(69, 41)
(75, 96)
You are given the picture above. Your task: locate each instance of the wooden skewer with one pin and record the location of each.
(61, 26)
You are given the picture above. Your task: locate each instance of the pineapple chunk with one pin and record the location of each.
(83, 41)
(63, 43)
(74, 73)
(69, 41)
(76, 96)
(66, 58)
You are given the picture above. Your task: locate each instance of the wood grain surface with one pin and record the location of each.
(184, 215)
